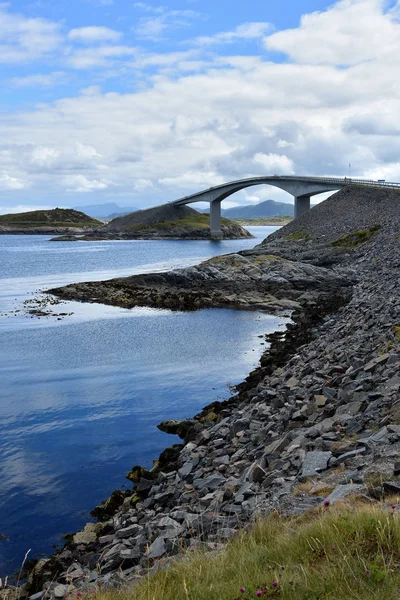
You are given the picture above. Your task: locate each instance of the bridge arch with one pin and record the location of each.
(301, 188)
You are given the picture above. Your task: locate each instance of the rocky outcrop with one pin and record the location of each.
(70, 232)
(319, 419)
(262, 282)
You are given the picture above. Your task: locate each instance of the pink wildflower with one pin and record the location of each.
(243, 589)
(326, 502)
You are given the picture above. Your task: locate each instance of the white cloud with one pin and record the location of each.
(80, 183)
(99, 56)
(25, 39)
(7, 182)
(275, 163)
(45, 156)
(246, 31)
(192, 179)
(142, 184)
(350, 32)
(154, 27)
(94, 34)
(40, 80)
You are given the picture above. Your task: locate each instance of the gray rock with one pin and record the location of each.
(315, 462)
(168, 523)
(186, 469)
(380, 437)
(347, 455)
(376, 361)
(130, 554)
(126, 532)
(60, 591)
(157, 548)
(212, 482)
(341, 491)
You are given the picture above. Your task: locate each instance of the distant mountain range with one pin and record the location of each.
(110, 210)
(268, 208)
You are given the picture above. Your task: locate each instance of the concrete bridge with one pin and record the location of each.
(302, 188)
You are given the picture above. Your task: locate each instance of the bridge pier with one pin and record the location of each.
(215, 219)
(301, 205)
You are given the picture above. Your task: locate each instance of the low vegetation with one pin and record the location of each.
(200, 221)
(354, 239)
(301, 235)
(58, 217)
(350, 551)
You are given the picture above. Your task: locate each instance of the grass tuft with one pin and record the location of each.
(340, 552)
(301, 235)
(352, 240)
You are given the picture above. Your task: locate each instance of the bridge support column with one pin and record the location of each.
(215, 219)
(301, 205)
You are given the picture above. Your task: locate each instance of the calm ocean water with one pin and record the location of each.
(80, 398)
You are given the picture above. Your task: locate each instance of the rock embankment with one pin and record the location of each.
(320, 419)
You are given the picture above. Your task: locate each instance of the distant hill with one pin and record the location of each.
(149, 216)
(57, 217)
(268, 208)
(109, 210)
(162, 222)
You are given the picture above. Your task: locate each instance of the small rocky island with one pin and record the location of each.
(48, 222)
(162, 222)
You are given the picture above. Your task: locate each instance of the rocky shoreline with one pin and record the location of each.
(67, 231)
(232, 231)
(318, 420)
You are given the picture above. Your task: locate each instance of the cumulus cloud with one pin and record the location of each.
(80, 183)
(24, 39)
(98, 56)
(142, 184)
(276, 163)
(93, 34)
(350, 32)
(7, 182)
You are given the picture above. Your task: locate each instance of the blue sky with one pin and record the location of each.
(142, 102)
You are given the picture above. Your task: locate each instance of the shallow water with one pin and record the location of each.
(80, 398)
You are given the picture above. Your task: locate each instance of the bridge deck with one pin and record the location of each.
(341, 181)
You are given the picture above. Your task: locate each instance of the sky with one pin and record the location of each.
(140, 103)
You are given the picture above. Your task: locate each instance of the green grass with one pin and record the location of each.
(201, 221)
(57, 217)
(354, 239)
(301, 235)
(343, 552)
